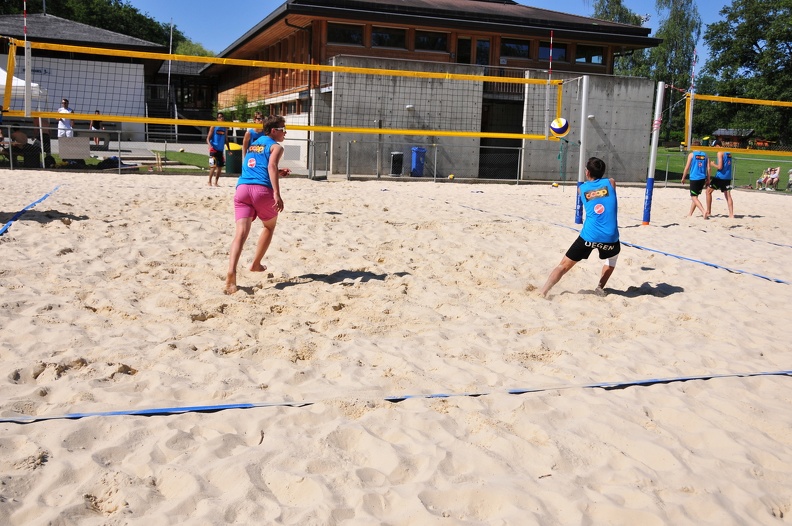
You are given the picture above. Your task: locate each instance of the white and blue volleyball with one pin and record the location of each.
(559, 127)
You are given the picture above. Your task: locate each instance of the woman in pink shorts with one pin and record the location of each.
(258, 195)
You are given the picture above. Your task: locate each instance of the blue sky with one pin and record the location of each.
(216, 25)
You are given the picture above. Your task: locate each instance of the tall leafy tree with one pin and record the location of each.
(114, 15)
(188, 47)
(751, 57)
(672, 61)
(709, 116)
(634, 63)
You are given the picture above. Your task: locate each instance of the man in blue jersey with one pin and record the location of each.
(258, 195)
(217, 138)
(722, 181)
(600, 227)
(698, 167)
(253, 133)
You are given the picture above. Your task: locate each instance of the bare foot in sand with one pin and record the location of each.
(230, 286)
(258, 268)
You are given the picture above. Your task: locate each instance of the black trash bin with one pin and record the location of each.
(418, 160)
(233, 159)
(397, 162)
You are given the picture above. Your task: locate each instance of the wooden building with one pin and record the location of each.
(473, 37)
(499, 33)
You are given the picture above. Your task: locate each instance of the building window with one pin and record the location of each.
(388, 37)
(344, 34)
(589, 54)
(482, 51)
(431, 41)
(559, 51)
(515, 48)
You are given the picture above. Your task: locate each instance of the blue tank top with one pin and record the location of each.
(255, 166)
(698, 166)
(599, 201)
(255, 134)
(218, 139)
(726, 170)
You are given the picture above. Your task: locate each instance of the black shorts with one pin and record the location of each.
(724, 185)
(219, 159)
(696, 186)
(581, 249)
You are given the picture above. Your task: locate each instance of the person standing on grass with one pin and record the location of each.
(722, 181)
(698, 167)
(600, 228)
(217, 138)
(258, 195)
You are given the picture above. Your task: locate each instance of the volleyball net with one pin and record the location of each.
(341, 97)
(740, 123)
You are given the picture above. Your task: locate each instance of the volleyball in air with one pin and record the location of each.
(559, 127)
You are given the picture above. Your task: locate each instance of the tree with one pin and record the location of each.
(114, 15)
(672, 61)
(708, 116)
(188, 47)
(634, 63)
(751, 57)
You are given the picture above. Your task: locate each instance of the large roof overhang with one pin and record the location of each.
(501, 16)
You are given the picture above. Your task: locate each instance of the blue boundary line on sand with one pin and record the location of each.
(28, 207)
(761, 241)
(169, 411)
(639, 247)
(714, 265)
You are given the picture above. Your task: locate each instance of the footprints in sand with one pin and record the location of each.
(42, 372)
(532, 357)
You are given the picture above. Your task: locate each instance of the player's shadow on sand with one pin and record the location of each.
(330, 213)
(669, 225)
(42, 216)
(659, 290)
(343, 277)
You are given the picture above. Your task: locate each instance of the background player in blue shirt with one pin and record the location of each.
(722, 181)
(217, 138)
(699, 169)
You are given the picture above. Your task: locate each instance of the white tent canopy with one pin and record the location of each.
(18, 89)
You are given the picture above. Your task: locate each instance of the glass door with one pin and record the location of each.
(463, 50)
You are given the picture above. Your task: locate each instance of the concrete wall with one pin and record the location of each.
(435, 106)
(619, 133)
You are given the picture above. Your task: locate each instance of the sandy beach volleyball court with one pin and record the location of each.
(111, 299)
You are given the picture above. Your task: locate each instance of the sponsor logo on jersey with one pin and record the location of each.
(596, 194)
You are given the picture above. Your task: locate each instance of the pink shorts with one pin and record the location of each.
(254, 200)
